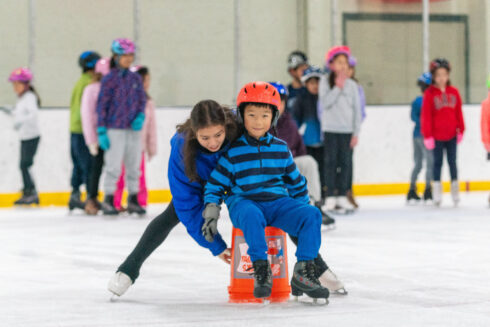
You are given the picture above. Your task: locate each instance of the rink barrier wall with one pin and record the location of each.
(164, 196)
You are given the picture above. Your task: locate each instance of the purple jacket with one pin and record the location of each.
(121, 99)
(287, 130)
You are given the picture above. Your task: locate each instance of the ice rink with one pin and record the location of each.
(402, 265)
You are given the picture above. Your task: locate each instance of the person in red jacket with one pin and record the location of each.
(442, 125)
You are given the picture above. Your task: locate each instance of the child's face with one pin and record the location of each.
(312, 85)
(19, 87)
(441, 77)
(126, 60)
(146, 82)
(350, 72)
(297, 72)
(211, 137)
(340, 64)
(257, 120)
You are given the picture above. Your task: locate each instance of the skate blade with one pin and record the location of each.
(341, 291)
(114, 297)
(305, 300)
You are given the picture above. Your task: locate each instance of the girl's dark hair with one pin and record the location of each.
(204, 114)
(33, 90)
(113, 62)
(143, 71)
(331, 79)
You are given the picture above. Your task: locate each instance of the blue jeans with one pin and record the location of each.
(81, 161)
(451, 147)
(293, 217)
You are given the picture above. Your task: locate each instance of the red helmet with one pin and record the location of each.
(259, 92)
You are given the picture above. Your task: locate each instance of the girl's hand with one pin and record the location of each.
(353, 141)
(430, 143)
(459, 137)
(340, 79)
(225, 256)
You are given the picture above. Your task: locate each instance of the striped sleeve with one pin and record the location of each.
(295, 182)
(219, 181)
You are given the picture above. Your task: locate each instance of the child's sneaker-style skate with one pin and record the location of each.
(305, 281)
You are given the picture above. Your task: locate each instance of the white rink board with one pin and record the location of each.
(384, 154)
(403, 266)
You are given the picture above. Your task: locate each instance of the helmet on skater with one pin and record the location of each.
(283, 91)
(88, 59)
(311, 72)
(439, 63)
(424, 79)
(259, 92)
(335, 51)
(352, 61)
(122, 46)
(103, 66)
(22, 74)
(297, 58)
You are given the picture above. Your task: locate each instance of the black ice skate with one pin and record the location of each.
(412, 195)
(428, 194)
(134, 206)
(327, 220)
(262, 279)
(108, 206)
(75, 202)
(28, 198)
(304, 280)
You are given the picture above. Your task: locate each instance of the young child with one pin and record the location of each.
(27, 124)
(120, 118)
(305, 112)
(89, 124)
(80, 155)
(297, 63)
(442, 125)
(419, 150)
(149, 143)
(340, 107)
(485, 124)
(262, 186)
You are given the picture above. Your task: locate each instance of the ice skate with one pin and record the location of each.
(344, 206)
(108, 206)
(455, 192)
(412, 197)
(75, 202)
(327, 220)
(329, 280)
(305, 281)
(437, 193)
(329, 204)
(134, 206)
(92, 207)
(351, 199)
(262, 279)
(428, 194)
(28, 198)
(119, 283)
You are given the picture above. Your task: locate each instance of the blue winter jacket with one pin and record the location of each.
(258, 170)
(415, 115)
(187, 196)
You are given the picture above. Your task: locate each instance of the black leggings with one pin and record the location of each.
(154, 235)
(338, 154)
(94, 174)
(28, 150)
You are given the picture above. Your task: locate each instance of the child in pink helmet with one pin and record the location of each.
(149, 143)
(88, 110)
(26, 123)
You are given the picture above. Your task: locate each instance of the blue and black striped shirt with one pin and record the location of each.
(258, 170)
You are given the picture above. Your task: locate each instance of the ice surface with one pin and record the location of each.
(402, 266)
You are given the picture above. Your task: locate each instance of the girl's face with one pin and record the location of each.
(146, 82)
(19, 87)
(340, 64)
(257, 120)
(441, 77)
(211, 137)
(126, 60)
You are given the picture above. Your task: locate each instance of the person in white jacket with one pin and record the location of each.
(26, 123)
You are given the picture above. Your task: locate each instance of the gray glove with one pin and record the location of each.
(210, 226)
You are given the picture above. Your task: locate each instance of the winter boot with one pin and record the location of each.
(119, 283)
(134, 206)
(92, 207)
(262, 279)
(351, 199)
(28, 198)
(305, 281)
(455, 192)
(329, 280)
(75, 201)
(428, 194)
(437, 193)
(108, 206)
(344, 205)
(412, 195)
(326, 219)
